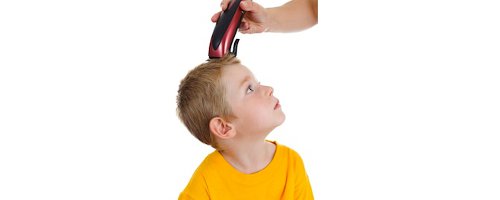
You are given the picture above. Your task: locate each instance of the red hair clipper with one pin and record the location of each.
(225, 30)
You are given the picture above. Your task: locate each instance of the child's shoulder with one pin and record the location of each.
(208, 163)
(286, 150)
(212, 159)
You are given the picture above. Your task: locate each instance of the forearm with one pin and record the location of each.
(295, 15)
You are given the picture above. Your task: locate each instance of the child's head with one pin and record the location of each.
(221, 100)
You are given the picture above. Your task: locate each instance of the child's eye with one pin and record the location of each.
(250, 89)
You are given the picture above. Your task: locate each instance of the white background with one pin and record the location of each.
(384, 99)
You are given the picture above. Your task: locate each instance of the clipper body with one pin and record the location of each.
(225, 31)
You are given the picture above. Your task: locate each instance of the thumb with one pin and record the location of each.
(246, 5)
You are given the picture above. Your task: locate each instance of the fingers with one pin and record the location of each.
(246, 31)
(224, 4)
(249, 28)
(216, 16)
(244, 26)
(246, 5)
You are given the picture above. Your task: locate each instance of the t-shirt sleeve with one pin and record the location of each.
(196, 188)
(303, 190)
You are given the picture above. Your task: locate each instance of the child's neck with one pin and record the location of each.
(249, 158)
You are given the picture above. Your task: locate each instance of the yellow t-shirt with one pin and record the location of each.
(283, 178)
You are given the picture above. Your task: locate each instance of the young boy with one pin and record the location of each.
(223, 105)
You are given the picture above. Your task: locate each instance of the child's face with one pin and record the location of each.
(256, 110)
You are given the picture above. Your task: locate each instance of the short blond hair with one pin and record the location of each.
(201, 97)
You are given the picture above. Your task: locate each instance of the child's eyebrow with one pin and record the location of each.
(247, 78)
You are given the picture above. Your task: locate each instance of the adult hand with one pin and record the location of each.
(255, 19)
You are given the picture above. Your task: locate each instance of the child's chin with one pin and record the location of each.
(282, 120)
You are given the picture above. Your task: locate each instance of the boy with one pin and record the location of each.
(222, 105)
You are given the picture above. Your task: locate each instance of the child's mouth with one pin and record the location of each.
(277, 106)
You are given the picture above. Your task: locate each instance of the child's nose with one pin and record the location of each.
(270, 90)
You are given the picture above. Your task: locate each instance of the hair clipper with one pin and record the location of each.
(225, 30)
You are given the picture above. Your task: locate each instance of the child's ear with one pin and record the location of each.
(221, 128)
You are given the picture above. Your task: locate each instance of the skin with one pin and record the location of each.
(295, 15)
(256, 113)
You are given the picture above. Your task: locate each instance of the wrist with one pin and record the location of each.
(270, 22)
